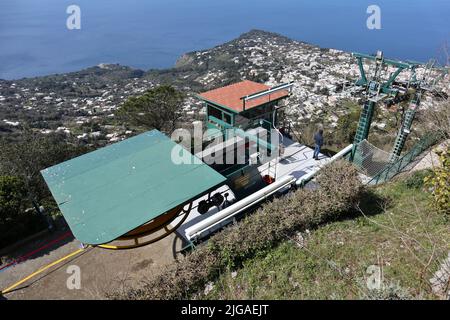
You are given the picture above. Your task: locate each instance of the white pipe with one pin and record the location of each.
(267, 92)
(196, 230)
(337, 156)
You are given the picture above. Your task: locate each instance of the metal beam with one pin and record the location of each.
(363, 80)
(268, 91)
(399, 64)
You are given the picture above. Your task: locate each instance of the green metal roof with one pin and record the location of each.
(111, 191)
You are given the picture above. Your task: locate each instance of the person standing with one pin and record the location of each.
(318, 141)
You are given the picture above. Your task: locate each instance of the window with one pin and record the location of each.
(227, 118)
(214, 112)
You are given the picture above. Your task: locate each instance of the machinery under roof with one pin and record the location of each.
(111, 191)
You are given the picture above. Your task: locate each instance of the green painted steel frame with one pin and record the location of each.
(365, 120)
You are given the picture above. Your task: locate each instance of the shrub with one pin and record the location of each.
(12, 196)
(390, 291)
(30, 154)
(439, 182)
(348, 124)
(14, 222)
(417, 179)
(158, 108)
(340, 188)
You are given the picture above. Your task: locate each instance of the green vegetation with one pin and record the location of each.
(159, 108)
(14, 221)
(346, 127)
(399, 234)
(439, 182)
(335, 138)
(21, 184)
(438, 121)
(417, 179)
(33, 153)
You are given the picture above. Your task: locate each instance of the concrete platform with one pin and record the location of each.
(296, 160)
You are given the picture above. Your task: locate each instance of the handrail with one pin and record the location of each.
(266, 92)
(341, 154)
(396, 167)
(194, 232)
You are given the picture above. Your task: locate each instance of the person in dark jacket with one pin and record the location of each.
(318, 141)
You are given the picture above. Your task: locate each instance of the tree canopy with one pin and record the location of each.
(15, 222)
(12, 198)
(31, 154)
(158, 108)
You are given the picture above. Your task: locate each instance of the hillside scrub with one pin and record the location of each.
(22, 186)
(34, 152)
(439, 182)
(158, 108)
(15, 221)
(339, 190)
(394, 233)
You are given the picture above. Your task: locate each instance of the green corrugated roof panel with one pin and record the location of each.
(111, 191)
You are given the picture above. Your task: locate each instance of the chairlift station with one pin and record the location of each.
(132, 193)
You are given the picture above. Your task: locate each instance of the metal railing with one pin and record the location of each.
(396, 167)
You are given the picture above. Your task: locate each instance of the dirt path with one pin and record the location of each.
(102, 271)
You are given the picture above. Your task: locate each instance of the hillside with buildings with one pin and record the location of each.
(83, 104)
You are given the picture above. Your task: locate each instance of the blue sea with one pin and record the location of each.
(146, 34)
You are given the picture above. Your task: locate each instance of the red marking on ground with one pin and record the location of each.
(28, 255)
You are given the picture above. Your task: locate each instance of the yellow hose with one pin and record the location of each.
(9, 289)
